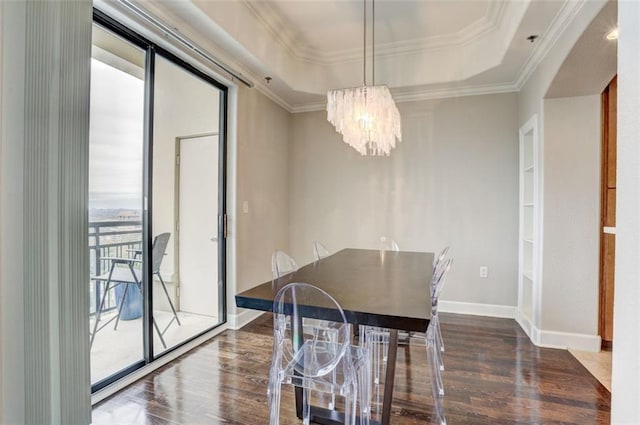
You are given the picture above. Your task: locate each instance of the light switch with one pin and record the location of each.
(245, 207)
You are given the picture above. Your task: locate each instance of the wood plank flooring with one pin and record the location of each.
(493, 376)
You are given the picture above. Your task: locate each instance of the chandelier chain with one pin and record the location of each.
(364, 43)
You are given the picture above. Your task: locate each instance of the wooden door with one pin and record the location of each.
(608, 212)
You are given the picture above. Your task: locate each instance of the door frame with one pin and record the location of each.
(608, 136)
(153, 49)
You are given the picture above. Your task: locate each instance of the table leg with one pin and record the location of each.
(325, 416)
(297, 333)
(389, 377)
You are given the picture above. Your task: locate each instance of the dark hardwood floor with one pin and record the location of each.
(494, 376)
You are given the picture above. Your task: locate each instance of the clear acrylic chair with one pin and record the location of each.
(438, 261)
(438, 264)
(377, 339)
(319, 251)
(281, 264)
(388, 244)
(434, 352)
(312, 362)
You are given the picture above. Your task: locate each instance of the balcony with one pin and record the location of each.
(115, 349)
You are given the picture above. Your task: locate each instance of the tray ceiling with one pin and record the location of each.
(429, 48)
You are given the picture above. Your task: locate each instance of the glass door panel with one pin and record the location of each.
(115, 205)
(187, 284)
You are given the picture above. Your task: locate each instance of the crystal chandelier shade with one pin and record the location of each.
(366, 116)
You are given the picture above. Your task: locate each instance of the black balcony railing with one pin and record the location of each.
(114, 238)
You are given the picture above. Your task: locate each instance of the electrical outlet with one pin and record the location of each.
(484, 272)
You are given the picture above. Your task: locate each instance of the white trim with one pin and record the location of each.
(272, 95)
(535, 274)
(560, 22)
(524, 323)
(401, 96)
(273, 24)
(309, 107)
(443, 93)
(109, 390)
(237, 321)
(560, 340)
(570, 340)
(489, 310)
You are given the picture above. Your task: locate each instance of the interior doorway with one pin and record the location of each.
(608, 212)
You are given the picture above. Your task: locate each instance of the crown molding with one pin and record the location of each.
(498, 12)
(278, 29)
(426, 94)
(295, 47)
(443, 93)
(560, 22)
(483, 26)
(309, 107)
(272, 95)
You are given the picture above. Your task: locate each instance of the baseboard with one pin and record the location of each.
(561, 340)
(525, 324)
(490, 310)
(568, 340)
(237, 321)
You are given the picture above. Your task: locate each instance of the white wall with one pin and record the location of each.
(531, 95)
(184, 105)
(452, 181)
(561, 326)
(262, 180)
(625, 395)
(572, 133)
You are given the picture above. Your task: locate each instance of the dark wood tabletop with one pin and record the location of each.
(377, 288)
(388, 289)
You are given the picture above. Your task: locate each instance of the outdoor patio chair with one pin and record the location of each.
(123, 272)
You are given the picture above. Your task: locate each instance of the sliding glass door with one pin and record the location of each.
(157, 202)
(115, 203)
(186, 192)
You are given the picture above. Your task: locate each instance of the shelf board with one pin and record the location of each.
(528, 275)
(528, 169)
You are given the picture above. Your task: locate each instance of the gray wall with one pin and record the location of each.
(262, 175)
(571, 250)
(452, 181)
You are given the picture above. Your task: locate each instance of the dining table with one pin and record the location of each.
(385, 289)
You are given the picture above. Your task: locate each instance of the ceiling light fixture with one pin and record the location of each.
(613, 34)
(366, 116)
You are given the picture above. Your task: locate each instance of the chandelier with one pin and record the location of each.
(366, 116)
